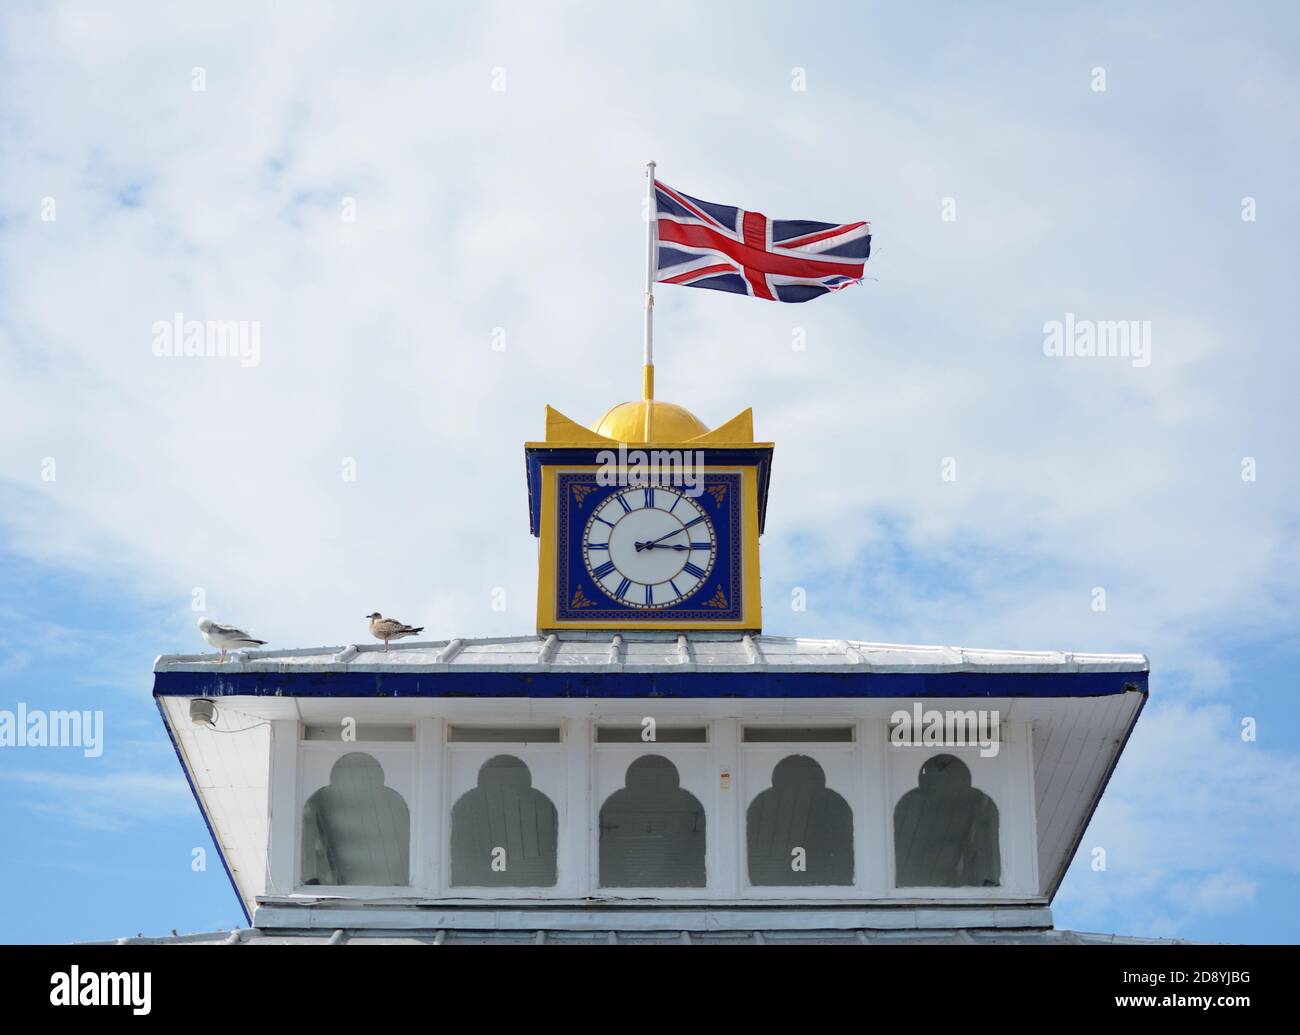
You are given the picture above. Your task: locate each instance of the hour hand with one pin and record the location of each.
(655, 542)
(659, 546)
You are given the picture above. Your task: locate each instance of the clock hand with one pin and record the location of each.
(654, 546)
(676, 531)
(655, 542)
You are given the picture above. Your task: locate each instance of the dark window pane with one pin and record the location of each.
(504, 734)
(503, 832)
(663, 735)
(652, 831)
(799, 831)
(946, 831)
(356, 830)
(798, 734)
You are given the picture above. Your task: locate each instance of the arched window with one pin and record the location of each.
(652, 831)
(946, 831)
(504, 831)
(799, 831)
(356, 831)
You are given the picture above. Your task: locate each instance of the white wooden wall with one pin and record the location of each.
(578, 774)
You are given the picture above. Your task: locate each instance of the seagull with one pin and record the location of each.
(386, 629)
(226, 637)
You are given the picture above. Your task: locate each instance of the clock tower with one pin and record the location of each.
(648, 520)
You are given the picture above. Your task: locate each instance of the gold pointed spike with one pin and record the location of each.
(737, 431)
(560, 430)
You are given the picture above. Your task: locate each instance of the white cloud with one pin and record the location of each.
(103, 801)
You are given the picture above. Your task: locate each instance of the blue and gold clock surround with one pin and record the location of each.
(682, 556)
(618, 551)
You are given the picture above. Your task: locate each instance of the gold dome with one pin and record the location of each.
(669, 422)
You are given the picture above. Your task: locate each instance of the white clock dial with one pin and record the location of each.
(649, 547)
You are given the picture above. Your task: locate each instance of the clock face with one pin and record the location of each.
(649, 547)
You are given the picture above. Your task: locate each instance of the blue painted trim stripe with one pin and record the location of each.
(202, 811)
(735, 456)
(658, 685)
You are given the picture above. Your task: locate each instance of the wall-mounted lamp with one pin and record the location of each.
(203, 712)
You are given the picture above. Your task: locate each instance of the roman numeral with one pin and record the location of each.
(649, 594)
(695, 522)
(691, 569)
(598, 546)
(622, 589)
(701, 546)
(603, 570)
(649, 497)
(622, 501)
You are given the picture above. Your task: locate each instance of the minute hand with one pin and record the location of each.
(655, 542)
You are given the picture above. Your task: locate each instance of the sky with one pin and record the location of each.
(432, 214)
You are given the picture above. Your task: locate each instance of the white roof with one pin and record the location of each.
(650, 652)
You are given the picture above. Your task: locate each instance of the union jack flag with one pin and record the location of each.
(706, 245)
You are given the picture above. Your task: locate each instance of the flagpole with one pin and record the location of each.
(651, 228)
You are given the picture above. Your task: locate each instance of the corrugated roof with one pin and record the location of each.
(653, 652)
(955, 936)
